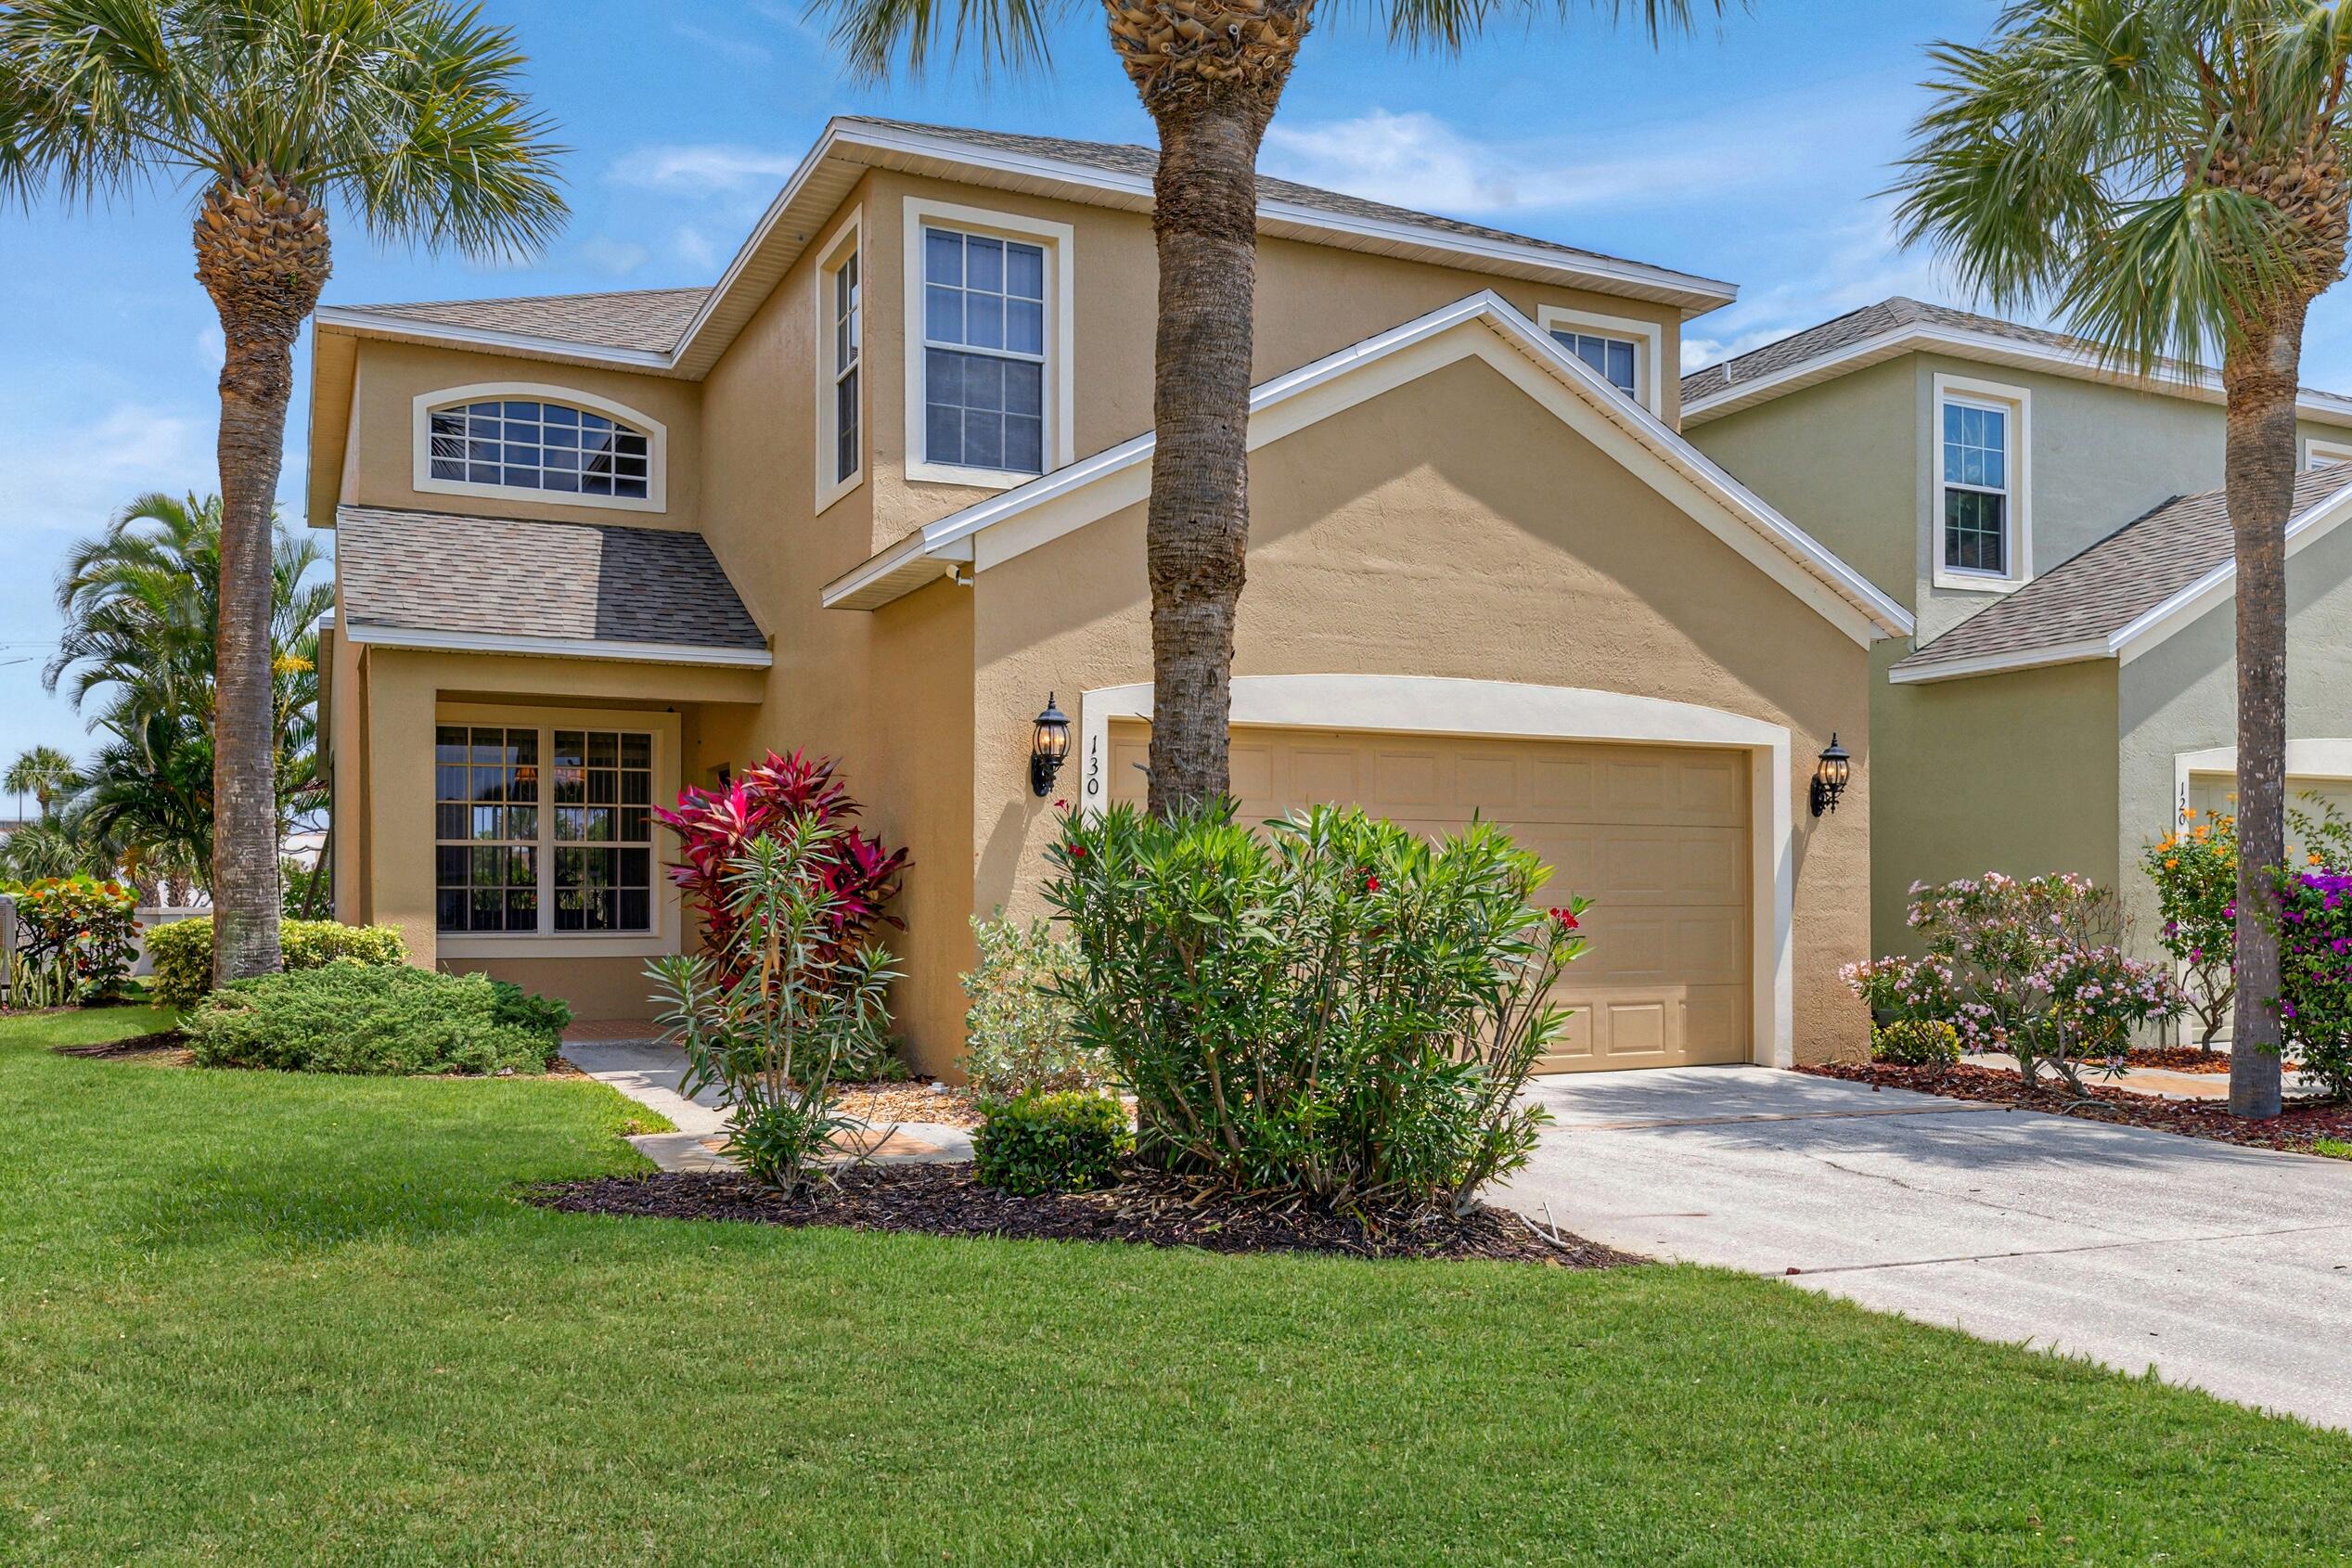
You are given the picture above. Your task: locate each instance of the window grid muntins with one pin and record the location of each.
(847, 347)
(1975, 488)
(983, 352)
(523, 445)
(1613, 358)
(522, 849)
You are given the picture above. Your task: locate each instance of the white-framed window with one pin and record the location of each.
(1983, 533)
(542, 829)
(2317, 454)
(841, 371)
(1623, 351)
(551, 443)
(988, 345)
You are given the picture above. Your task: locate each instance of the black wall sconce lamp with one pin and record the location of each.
(1049, 748)
(1830, 776)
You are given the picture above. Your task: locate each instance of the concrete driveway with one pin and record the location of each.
(2227, 1268)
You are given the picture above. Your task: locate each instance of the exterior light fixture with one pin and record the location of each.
(1831, 776)
(1049, 748)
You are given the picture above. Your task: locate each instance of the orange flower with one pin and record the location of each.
(2173, 863)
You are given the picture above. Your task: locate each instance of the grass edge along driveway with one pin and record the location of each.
(253, 1317)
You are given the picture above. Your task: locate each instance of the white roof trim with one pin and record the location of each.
(2145, 631)
(1989, 347)
(848, 138)
(1073, 496)
(557, 648)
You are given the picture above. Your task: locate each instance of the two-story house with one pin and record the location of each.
(2057, 530)
(879, 493)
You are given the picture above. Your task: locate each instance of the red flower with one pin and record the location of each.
(1062, 806)
(1371, 884)
(1078, 851)
(1567, 919)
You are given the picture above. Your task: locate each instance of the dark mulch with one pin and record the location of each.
(133, 1045)
(1150, 1208)
(2296, 1128)
(2178, 1058)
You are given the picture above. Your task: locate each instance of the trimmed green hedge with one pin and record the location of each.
(182, 953)
(351, 1017)
(1067, 1141)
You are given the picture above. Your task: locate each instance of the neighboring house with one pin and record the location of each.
(880, 492)
(2057, 530)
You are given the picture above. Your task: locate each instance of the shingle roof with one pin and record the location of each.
(2103, 589)
(1142, 162)
(1856, 327)
(507, 577)
(650, 319)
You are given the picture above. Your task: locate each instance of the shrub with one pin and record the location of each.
(786, 1011)
(1020, 1034)
(2315, 966)
(1916, 1042)
(75, 941)
(182, 953)
(1070, 1141)
(351, 1017)
(2195, 871)
(1335, 1007)
(716, 827)
(2035, 968)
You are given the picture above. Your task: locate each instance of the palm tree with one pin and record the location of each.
(407, 113)
(43, 772)
(1210, 74)
(140, 602)
(2171, 174)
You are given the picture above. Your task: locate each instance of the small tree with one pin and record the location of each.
(1019, 1034)
(2195, 871)
(778, 1016)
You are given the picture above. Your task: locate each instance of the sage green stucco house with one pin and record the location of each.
(2058, 532)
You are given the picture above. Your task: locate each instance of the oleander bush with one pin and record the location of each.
(1334, 1006)
(2315, 963)
(1020, 1036)
(1069, 1141)
(1916, 1042)
(2195, 872)
(375, 1019)
(182, 953)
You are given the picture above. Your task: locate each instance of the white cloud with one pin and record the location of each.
(695, 247)
(701, 169)
(76, 474)
(619, 257)
(212, 347)
(1850, 265)
(734, 49)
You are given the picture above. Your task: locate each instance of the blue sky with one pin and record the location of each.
(1752, 153)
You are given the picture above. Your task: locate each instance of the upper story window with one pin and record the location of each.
(498, 440)
(2319, 453)
(1623, 352)
(1981, 538)
(988, 342)
(841, 366)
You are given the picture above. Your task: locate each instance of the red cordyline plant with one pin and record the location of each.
(716, 826)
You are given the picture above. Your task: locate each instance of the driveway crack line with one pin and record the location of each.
(2086, 1247)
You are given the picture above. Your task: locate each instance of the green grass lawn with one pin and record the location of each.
(264, 1318)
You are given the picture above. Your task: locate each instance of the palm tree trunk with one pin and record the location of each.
(256, 382)
(1204, 218)
(2259, 380)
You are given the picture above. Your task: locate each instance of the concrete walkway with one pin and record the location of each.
(653, 1074)
(2227, 1268)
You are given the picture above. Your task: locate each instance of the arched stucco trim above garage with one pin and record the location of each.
(1441, 705)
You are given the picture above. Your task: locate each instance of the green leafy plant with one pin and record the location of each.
(1334, 1006)
(2315, 949)
(2195, 871)
(2032, 966)
(1068, 1142)
(1916, 1042)
(1019, 1034)
(182, 953)
(351, 1017)
(787, 1010)
(74, 941)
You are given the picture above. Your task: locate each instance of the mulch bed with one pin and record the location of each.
(2178, 1058)
(135, 1047)
(1149, 1207)
(2302, 1122)
(920, 1099)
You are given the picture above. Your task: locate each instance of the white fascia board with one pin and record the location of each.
(2151, 627)
(1993, 347)
(1073, 496)
(1997, 663)
(557, 648)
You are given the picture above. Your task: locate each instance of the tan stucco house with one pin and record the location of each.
(880, 491)
(2056, 528)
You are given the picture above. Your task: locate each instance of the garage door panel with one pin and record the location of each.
(1657, 837)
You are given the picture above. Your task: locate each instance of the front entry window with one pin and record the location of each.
(543, 830)
(1976, 492)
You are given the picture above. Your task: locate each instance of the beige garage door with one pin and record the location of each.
(1656, 836)
(2213, 793)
